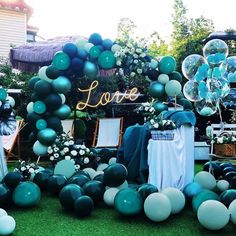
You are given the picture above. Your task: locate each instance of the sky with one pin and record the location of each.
(84, 17)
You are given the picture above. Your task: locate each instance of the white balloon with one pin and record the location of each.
(40, 149)
(222, 185)
(109, 196)
(30, 107)
(124, 185)
(80, 43)
(63, 97)
(2, 212)
(11, 101)
(112, 160)
(91, 172)
(102, 166)
(42, 74)
(163, 78)
(232, 210)
(98, 173)
(7, 225)
(88, 46)
(205, 179)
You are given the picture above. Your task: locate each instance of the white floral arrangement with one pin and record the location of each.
(146, 109)
(26, 169)
(224, 138)
(157, 124)
(65, 148)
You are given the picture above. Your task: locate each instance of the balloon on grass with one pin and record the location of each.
(7, 225)
(109, 196)
(232, 210)
(55, 184)
(12, 179)
(205, 179)
(83, 206)
(5, 196)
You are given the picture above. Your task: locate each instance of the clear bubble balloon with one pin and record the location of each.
(191, 91)
(215, 51)
(229, 101)
(206, 107)
(229, 68)
(191, 64)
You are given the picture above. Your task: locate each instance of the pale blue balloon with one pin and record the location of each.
(39, 149)
(90, 69)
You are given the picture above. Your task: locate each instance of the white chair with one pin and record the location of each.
(68, 126)
(108, 132)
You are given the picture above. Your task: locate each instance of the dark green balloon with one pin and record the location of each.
(32, 82)
(80, 180)
(26, 194)
(128, 202)
(228, 196)
(114, 175)
(106, 60)
(159, 107)
(146, 189)
(63, 112)
(175, 75)
(41, 179)
(56, 183)
(42, 88)
(94, 189)
(47, 136)
(202, 197)
(83, 206)
(5, 196)
(33, 117)
(53, 102)
(68, 196)
(12, 179)
(167, 65)
(157, 90)
(185, 103)
(54, 123)
(52, 72)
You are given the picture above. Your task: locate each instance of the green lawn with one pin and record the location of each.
(50, 219)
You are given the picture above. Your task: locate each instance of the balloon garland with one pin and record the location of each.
(209, 77)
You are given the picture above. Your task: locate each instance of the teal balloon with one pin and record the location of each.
(39, 149)
(26, 194)
(3, 94)
(61, 85)
(47, 136)
(94, 52)
(106, 60)
(203, 196)
(167, 65)
(90, 69)
(63, 112)
(41, 124)
(61, 60)
(39, 107)
(187, 105)
(157, 90)
(159, 107)
(128, 202)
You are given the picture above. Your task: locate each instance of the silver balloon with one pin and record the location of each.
(191, 65)
(191, 91)
(206, 107)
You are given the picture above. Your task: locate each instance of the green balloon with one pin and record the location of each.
(94, 52)
(47, 136)
(167, 65)
(128, 202)
(106, 60)
(32, 82)
(203, 196)
(63, 112)
(185, 103)
(26, 194)
(52, 72)
(41, 124)
(39, 107)
(157, 90)
(3, 94)
(61, 60)
(173, 88)
(159, 107)
(61, 85)
(42, 88)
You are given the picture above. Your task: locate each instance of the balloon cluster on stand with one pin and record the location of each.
(212, 200)
(209, 77)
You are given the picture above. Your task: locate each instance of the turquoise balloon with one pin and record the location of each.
(94, 52)
(41, 124)
(47, 136)
(61, 60)
(3, 94)
(61, 85)
(63, 112)
(157, 90)
(90, 69)
(167, 65)
(159, 107)
(40, 149)
(128, 202)
(39, 107)
(106, 60)
(202, 197)
(26, 194)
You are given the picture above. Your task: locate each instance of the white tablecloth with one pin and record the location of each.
(3, 163)
(171, 163)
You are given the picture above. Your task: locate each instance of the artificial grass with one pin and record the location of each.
(50, 219)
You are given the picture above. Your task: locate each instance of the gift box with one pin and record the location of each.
(162, 134)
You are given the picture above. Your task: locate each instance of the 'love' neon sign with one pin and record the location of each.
(106, 97)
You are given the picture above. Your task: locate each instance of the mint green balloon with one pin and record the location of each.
(63, 112)
(173, 88)
(47, 136)
(61, 60)
(39, 107)
(26, 194)
(61, 85)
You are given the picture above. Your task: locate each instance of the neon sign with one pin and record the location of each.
(106, 97)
